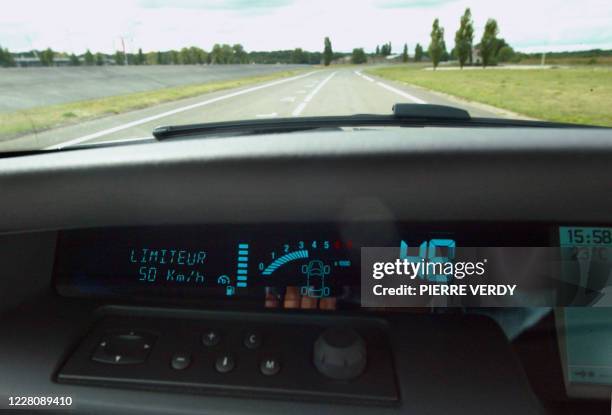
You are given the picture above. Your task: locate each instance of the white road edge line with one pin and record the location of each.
(367, 78)
(298, 110)
(171, 112)
(402, 93)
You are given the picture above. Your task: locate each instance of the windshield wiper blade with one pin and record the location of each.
(412, 115)
(401, 114)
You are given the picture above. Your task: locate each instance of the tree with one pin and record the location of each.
(99, 59)
(298, 56)
(74, 60)
(418, 53)
(191, 56)
(506, 54)
(405, 53)
(445, 55)
(227, 52)
(222, 54)
(174, 57)
(464, 37)
(216, 54)
(119, 58)
(239, 55)
(377, 50)
(201, 55)
(489, 43)
(9, 60)
(46, 57)
(358, 56)
(499, 45)
(328, 53)
(89, 58)
(140, 58)
(185, 56)
(436, 45)
(385, 50)
(6, 58)
(151, 58)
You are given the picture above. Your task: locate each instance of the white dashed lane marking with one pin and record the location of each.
(298, 110)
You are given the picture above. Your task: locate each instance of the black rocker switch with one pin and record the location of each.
(124, 347)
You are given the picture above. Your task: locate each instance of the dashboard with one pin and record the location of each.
(108, 249)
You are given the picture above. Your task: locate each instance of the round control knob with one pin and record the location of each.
(340, 353)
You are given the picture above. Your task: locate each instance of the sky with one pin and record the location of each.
(77, 25)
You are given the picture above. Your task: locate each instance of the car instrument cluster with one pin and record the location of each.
(269, 267)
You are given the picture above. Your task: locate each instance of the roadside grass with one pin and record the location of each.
(576, 95)
(38, 119)
(569, 60)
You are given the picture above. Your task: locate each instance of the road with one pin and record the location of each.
(24, 88)
(340, 91)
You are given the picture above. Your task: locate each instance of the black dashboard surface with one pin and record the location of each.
(453, 174)
(389, 176)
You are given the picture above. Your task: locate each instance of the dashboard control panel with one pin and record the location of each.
(340, 360)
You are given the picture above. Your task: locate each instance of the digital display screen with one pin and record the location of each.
(586, 255)
(268, 263)
(204, 262)
(588, 343)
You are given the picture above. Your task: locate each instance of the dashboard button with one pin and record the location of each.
(270, 366)
(180, 361)
(252, 340)
(124, 347)
(225, 363)
(211, 338)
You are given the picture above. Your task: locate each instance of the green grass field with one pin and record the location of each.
(576, 95)
(32, 120)
(569, 60)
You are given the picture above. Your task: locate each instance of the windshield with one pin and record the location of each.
(74, 72)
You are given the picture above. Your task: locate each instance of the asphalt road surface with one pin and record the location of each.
(336, 91)
(24, 88)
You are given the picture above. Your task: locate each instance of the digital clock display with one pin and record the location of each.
(586, 263)
(585, 236)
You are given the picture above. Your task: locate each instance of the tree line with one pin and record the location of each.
(219, 54)
(489, 51)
